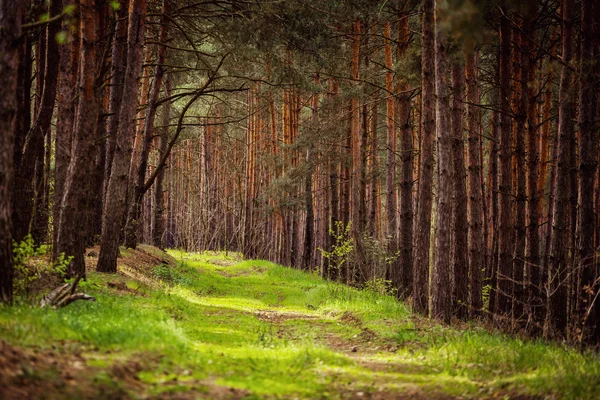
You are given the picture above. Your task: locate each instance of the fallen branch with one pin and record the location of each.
(64, 295)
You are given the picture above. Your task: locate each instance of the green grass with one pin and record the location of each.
(275, 332)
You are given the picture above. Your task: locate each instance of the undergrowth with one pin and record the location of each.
(276, 332)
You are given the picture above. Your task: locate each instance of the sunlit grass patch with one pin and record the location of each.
(213, 321)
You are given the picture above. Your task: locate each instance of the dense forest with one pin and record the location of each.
(444, 150)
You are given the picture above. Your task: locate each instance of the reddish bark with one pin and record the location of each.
(115, 202)
(441, 294)
(406, 158)
(140, 185)
(460, 266)
(77, 194)
(504, 273)
(428, 121)
(391, 204)
(557, 312)
(476, 244)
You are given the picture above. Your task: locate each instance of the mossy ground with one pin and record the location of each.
(216, 326)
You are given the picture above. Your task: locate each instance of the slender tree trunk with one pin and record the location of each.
(23, 125)
(493, 224)
(391, 205)
(441, 293)
(406, 145)
(547, 158)
(374, 210)
(308, 193)
(67, 84)
(505, 243)
(117, 75)
(588, 164)
(476, 245)
(158, 226)
(428, 121)
(140, 187)
(355, 178)
(76, 199)
(532, 251)
(115, 204)
(29, 182)
(459, 252)
(519, 298)
(557, 312)
(10, 47)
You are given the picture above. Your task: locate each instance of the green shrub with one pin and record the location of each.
(27, 272)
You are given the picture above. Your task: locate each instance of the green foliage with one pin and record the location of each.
(485, 293)
(169, 275)
(379, 259)
(342, 247)
(62, 37)
(70, 9)
(27, 272)
(380, 286)
(267, 329)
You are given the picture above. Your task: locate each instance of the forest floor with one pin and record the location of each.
(186, 326)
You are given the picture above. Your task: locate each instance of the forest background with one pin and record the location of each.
(445, 151)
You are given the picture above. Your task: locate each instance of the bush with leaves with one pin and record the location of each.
(31, 264)
(342, 248)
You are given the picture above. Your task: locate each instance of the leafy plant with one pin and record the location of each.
(169, 275)
(380, 286)
(342, 247)
(27, 273)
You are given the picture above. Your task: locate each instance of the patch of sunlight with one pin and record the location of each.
(235, 303)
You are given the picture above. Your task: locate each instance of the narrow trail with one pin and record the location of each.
(188, 326)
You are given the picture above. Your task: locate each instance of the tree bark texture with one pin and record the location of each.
(428, 122)
(557, 312)
(441, 293)
(116, 195)
(10, 47)
(74, 212)
(476, 245)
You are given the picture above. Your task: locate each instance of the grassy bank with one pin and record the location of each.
(215, 326)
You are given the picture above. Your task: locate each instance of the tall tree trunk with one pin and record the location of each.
(588, 163)
(441, 293)
(547, 158)
(505, 243)
(158, 226)
(519, 298)
(117, 75)
(23, 125)
(391, 204)
(355, 184)
(74, 211)
(557, 312)
(29, 182)
(308, 193)
(115, 203)
(406, 146)
(476, 245)
(140, 186)
(10, 47)
(374, 210)
(428, 121)
(67, 84)
(459, 251)
(532, 251)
